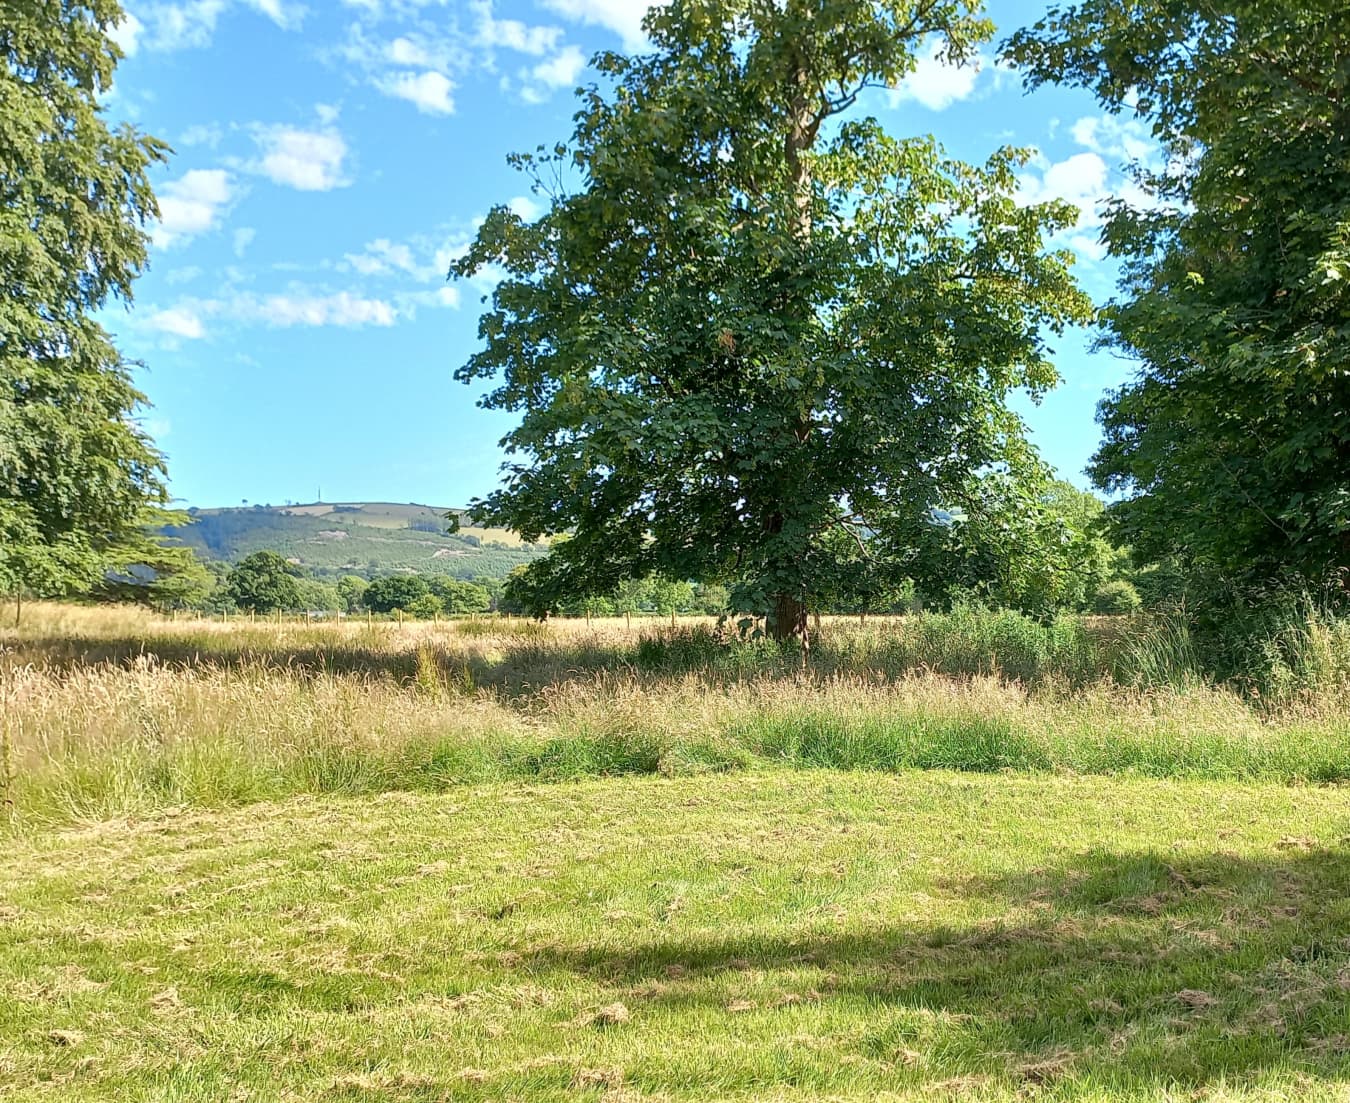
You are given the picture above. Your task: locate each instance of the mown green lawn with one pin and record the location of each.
(795, 935)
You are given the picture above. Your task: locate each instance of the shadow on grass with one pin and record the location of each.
(1115, 972)
(526, 668)
(525, 661)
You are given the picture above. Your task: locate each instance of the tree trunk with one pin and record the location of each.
(787, 619)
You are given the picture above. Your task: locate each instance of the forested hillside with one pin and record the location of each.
(371, 538)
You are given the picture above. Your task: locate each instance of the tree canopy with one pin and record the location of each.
(76, 472)
(263, 582)
(1232, 446)
(385, 595)
(750, 317)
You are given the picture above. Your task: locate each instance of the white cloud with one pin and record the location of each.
(1080, 179)
(307, 160)
(623, 17)
(177, 322)
(192, 204)
(188, 24)
(327, 113)
(284, 310)
(382, 257)
(429, 91)
(525, 207)
(423, 60)
(286, 16)
(936, 82)
(201, 135)
(406, 51)
(1127, 139)
(127, 34)
(186, 274)
(422, 47)
(180, 26)
(512, 34)
(1086, 246)
(342, 309)
(441, 298)
(560, 71)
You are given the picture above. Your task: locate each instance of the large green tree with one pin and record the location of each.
(263, 582)
(1232, 446)
(750, 316)
(1029, 547)
(76, 473)
(385, 595)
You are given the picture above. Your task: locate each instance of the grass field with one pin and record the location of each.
(955, 859)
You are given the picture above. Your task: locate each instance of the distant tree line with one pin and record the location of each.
(265, 582)
(1054, 556)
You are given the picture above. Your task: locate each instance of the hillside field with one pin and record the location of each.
(371, 538)
(958, 858)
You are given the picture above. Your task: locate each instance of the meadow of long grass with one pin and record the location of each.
(957, 856)
(115, 711)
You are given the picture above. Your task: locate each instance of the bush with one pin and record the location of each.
(1116, 597)
(384, 595)
(262, 582)
(424, 607)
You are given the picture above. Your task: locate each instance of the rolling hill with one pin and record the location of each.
(366, 538)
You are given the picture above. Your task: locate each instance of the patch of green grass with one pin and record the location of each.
(778, 936)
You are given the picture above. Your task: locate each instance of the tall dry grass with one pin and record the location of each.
(117, 712)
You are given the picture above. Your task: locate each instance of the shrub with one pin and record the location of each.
(1116, 597)
(384, 595)
(424, 607)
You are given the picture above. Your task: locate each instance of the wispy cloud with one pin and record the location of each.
(623, 17)
(191, 319)
(177, 322)
(191, 24)
(425, 59)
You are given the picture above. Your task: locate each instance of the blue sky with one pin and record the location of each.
(331, 158)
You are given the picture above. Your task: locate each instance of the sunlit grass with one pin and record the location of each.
(113, 711)
(776, 936)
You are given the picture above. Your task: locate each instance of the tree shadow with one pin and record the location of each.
(1116, 970)
(521, 671)
(518, 663)
(515, 671)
